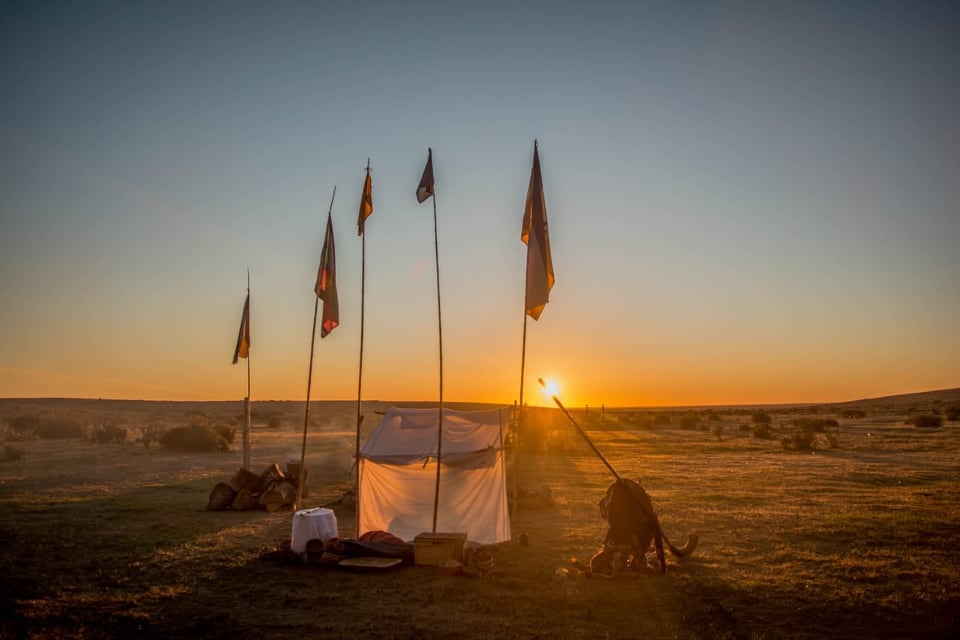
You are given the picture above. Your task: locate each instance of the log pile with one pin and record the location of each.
(272, 490)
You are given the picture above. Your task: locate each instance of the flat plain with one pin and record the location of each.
(853, 538)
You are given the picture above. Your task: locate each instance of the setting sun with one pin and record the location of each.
(550, 387)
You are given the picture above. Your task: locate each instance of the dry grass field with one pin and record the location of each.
(857, 540)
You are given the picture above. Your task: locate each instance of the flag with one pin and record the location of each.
(243, 339)
(540, 276)
(366, 203)
(425, 188)
(326, 288)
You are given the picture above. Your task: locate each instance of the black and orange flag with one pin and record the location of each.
(326, 288)
(366, 202)
(243, 339)
(425, 188)
(540, 276)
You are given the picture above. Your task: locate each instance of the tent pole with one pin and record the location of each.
(436, 250)
(306, 413)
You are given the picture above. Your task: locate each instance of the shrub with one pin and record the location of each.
(810, 435)
(25, 423)
(926, 420)
(661, 417)
(194, 438)
(11, 453)
(760, 417)
(226, 432)
(953, 411)
(61, 428)
(152, 433)
(688, 422)
(761, 431)
(109, 434)
(744, 427)
(815, 425)
(274, 422)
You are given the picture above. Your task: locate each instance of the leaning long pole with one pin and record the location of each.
(306, 412)
(436, 251)
(582, 433)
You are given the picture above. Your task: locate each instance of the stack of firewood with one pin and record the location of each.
(272, 490)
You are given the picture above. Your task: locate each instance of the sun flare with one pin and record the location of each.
(550, 387)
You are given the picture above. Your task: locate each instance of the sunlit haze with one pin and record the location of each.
(747, 202)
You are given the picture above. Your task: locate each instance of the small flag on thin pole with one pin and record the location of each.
(243, 339)
(366, 202)
(326, 288)
(540, 276)
(425, 188)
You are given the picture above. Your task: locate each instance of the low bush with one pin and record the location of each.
(152, 433)
(952, 411)
(11, 453)
(926, 420)
(811, 435)
(109, 434)
(194, 438)
(225, 431)
(689, 422)
(761, 431)
(761, 417)
(61, 428)
(25, 424)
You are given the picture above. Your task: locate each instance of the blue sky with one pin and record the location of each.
(748, 202)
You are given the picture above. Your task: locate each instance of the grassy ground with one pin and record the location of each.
(856, 541)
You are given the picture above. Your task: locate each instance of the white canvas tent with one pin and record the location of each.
(398, 475)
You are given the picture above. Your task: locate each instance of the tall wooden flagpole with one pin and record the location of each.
(366, 209)
(436, 252)
(539, 277)
(247, 409)
(306, 413)
(426, 190)
(242, 350)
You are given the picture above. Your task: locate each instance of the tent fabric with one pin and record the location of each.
(398, 475)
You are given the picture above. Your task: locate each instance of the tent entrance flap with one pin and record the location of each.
(396, 488)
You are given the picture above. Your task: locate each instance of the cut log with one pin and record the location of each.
(293, 475)
(245, 500)
(272, 475)
(221, 497)
(243, 479)
(278, 496)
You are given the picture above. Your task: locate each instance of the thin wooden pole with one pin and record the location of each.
(306, 412)
(247, 409)
(520, 413)
(363, 279)
(436, 250)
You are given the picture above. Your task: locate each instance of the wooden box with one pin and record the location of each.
(437, 549)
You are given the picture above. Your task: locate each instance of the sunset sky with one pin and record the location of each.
(748, 202)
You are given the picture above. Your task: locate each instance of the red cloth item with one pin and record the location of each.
(380, 536)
